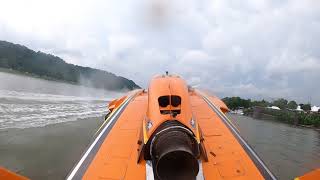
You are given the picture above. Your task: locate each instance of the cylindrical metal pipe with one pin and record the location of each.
(173, 156)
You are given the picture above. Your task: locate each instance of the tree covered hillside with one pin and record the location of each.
(20, 58)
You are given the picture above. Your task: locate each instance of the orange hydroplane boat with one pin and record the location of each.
(169, 132)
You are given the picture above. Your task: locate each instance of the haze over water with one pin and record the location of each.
(31, 102)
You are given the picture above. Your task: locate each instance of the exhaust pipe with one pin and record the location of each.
(174, 154)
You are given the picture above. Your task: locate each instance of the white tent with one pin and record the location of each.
(274, 107)
(299, 108)
(315, 108)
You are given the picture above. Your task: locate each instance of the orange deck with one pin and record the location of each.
(227, 159)
(8, 175)
(313, 175)
(116, 156)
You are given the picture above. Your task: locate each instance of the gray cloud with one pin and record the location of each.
(255, 49)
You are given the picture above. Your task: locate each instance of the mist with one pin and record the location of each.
(27, 101)
(15, 82)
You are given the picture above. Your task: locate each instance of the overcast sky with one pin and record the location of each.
(253, 49)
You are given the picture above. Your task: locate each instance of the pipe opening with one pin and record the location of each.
(174, 153)
(180, 165)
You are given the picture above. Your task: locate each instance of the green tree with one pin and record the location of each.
(262, 103)
(236, 102)
(305, 107)
(281, 103)
(292, 105)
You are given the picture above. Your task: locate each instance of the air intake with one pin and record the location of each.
(174, 153)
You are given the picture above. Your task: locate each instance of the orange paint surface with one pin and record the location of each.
(167, 86)
(227, 158)
(313, 175)
(117, 156)
(8, 175)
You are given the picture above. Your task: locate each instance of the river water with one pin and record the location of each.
(31, 102)
(45, 126)
(287, 150)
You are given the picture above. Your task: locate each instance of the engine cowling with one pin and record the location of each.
(170, 135)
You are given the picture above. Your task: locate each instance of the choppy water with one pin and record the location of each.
(31, 102)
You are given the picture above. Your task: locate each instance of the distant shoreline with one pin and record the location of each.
(12, 71)
(26, 74)
(50, 67)
(294, 125)
(287, 117)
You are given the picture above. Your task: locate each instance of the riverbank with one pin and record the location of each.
(309, 120)
(47, 152)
